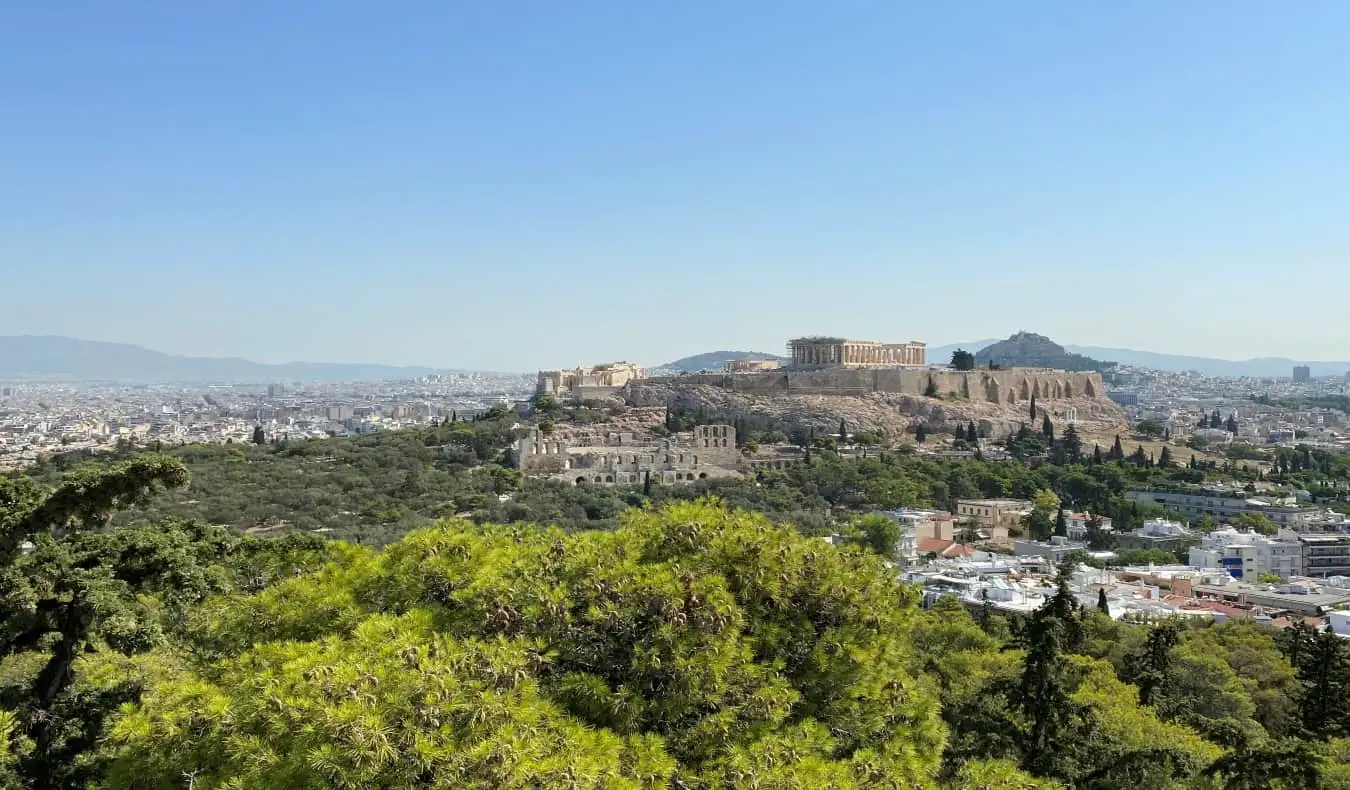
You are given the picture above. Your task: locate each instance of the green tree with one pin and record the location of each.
(1324, 672)
(259, 437)
(920, 433)
(963, 360)
(1048, 428)
(1117, 452)
(1165, 459)
(1061, 524)
(1103, 605)
(69, 593)
(1257, 522)
(1072, 444)
(1032, 410)
(1150, 428)
(880, 533)
(1151, 667)
(931, 389)
(693, 645)
(843, 432)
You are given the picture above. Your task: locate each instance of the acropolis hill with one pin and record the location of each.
(881, 386)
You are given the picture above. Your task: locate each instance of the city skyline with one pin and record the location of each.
(519, 188)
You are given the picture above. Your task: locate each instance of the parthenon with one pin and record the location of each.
(836, 352)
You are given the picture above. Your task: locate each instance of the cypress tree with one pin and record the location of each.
(1061, 524)
(647, 483)
(1096, 454)
(1117, 452)
(931, 391)
(843, 432)
(1073, 445)
(1048, 427)
(1033, 407)
(920, 433)
(1325, 675)
(259, 437)
(1153, 664)
(1102, 605)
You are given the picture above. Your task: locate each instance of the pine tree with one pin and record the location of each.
(1048, 428)
(1102, 605)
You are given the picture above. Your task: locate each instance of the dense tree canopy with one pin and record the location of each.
(691, 643)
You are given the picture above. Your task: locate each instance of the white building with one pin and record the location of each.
(1077, 524)
(1247, 555)
(1163, 528)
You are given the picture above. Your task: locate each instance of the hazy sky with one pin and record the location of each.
(512, 185)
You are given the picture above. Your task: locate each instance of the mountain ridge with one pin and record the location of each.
(713, 360)
(55, 357)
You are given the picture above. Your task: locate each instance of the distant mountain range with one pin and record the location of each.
(714, 360)
(1264, 367)
(67, 359)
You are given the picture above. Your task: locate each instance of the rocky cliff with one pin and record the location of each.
(890, 413)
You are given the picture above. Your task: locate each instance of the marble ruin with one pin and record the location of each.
(597, 381)
(753, 365)
(812, 353)
(601, 457)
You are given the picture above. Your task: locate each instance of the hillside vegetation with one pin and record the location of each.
(689, 644)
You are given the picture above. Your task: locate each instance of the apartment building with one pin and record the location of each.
(1325, 555)
(1246, 555)
(1224, 507)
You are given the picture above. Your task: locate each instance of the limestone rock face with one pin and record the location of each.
(1030, 350)
(889, 413)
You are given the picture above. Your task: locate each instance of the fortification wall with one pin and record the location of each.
(1011, 386)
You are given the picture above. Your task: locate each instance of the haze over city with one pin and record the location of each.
(516, 186)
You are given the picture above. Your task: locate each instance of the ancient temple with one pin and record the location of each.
(836, 352)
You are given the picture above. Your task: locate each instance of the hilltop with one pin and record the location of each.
(1030, 350)
(714, 360)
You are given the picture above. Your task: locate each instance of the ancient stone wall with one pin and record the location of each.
(1011, 386)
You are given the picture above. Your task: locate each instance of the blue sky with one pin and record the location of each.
(525, 184)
